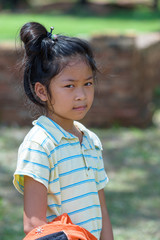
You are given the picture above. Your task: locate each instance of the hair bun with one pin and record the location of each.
(32, 34)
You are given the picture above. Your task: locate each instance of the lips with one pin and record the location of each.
(80, 108)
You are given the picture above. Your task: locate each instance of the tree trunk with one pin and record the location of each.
(82, 2)
(155, 5)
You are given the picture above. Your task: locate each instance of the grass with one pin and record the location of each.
(131, 158)
(83, 22)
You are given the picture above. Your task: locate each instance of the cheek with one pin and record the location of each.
(55, 95)
(60, 99)
(91, 95)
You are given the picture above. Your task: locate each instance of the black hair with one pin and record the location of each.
(46, 57)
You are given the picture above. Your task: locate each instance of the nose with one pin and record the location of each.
(80, 94)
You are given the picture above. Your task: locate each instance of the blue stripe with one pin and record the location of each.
(51, 217)
(62, 146)
(58, 127)
(53, 181)
(39, 124)
(20, 186)
(38, 151)
(78, 183)
(90, 156)
(55, 165)
(103, 180)
(84, 146)
(66, 159)
(89, 220)
(54, 205)
(22, 189)
(58, 193)
(69, 158)
(77, 170)
(39, 177)
(38, 164)
(83, 209)
(72, 171)
(44, 141)
(62, 130)
(100, 170)
(96, 169)
(88, 142)
(97, 230)
(79, 197)
(31, 174)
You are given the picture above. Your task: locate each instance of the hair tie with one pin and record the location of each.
(52, 36)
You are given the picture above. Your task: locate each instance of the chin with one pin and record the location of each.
(77, 118)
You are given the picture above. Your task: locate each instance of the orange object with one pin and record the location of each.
(61, 223)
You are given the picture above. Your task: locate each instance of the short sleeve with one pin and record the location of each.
(32, 161)
(102, 178)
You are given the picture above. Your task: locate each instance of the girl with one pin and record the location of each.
(60, 167)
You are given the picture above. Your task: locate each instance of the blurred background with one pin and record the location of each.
(125, 37)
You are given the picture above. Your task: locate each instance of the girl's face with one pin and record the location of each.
(72, 92)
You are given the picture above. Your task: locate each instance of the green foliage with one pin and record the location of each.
(157, 91)
(11, 4)
(82, 22)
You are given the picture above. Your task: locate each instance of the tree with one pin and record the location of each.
(155, 4)
(83, 2)
(11, 4)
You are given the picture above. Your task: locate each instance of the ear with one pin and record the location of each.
(41, 91)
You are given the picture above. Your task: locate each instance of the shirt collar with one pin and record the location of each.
(56, 132)
(91, 137)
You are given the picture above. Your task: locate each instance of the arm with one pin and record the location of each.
(35, 204)
(106, 233)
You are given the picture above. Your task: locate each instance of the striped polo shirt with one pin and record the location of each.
(72, 172)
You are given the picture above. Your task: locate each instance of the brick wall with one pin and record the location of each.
(130, 69)
(129, 72)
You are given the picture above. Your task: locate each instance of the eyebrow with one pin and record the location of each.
(74, 80)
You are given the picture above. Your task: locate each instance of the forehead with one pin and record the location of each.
(76, 68)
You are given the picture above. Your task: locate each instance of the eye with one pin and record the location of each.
(89, 84)
(69, 86)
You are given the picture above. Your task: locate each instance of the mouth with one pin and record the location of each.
(80, 108)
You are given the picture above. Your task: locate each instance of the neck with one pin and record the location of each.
(66, 124)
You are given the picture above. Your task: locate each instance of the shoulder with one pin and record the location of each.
(95, 139)
(37, 136)
(90, 134)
